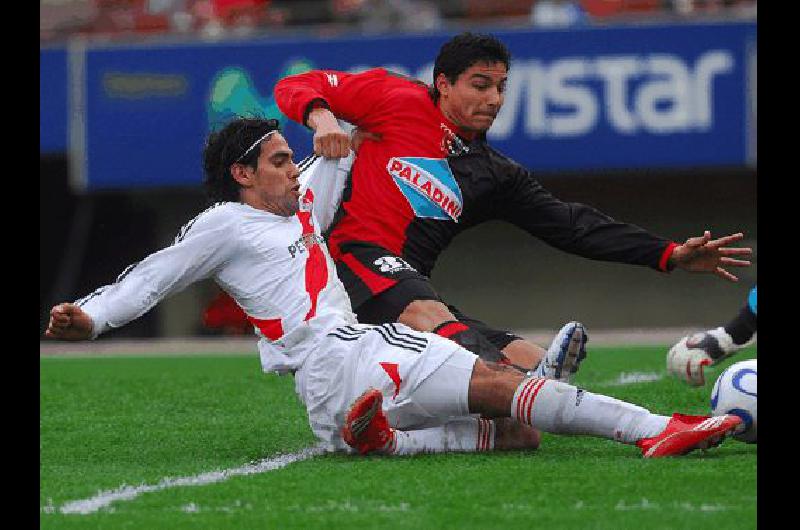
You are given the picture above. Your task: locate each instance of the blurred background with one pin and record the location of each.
(645, 109)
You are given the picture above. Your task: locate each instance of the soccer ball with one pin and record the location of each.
(735, 392)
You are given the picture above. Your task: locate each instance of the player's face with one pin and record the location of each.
(474, 100)
(275, 180)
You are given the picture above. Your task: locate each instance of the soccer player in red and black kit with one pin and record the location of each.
(432, 175)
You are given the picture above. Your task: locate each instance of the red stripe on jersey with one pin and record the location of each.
(375, 282)
(272, 328)
(448, 330)
(316, 266)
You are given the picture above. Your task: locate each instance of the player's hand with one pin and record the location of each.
(330, 140)
(69, 322)
(703, 254)
(360, 136)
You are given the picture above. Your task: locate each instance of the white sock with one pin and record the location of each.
(560, 408)
(461, 435)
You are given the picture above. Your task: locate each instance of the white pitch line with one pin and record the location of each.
(629, 378)
(127, 493)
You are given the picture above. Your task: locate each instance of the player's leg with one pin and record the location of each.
(449, 385)
(560, 361)
(510, 434)
(385, 288)
(462, 384)
(524, 353)
(688, 358)
(560, 408)
(414, 302)
(367, 430)
(417, 384)
(518, 351)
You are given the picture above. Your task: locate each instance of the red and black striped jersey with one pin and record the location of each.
(426, 181)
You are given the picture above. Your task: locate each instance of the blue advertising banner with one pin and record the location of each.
(53, 101)
(581, 99)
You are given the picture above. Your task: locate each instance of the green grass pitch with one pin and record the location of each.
(110, 422)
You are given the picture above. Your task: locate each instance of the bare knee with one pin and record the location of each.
(510, 434)
(425, 315)
(523, 353)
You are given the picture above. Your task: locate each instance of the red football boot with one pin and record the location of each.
(686, 433)
(366, 428)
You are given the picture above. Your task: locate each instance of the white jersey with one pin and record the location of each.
(279, 271)
(277, 268)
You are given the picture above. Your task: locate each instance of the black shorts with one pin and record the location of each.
(381, 285)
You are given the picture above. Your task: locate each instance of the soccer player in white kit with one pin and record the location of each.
(383, 389)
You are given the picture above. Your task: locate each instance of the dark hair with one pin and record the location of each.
(228, 146)
(463, 51)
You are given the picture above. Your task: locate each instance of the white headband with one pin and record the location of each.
(255, 144)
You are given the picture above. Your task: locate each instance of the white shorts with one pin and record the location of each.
(424, 378)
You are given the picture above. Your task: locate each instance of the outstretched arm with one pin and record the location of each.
(574, 227)
(582, 230)
(203, 244)
(703, 254)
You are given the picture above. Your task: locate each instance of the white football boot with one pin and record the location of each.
(564, 355)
